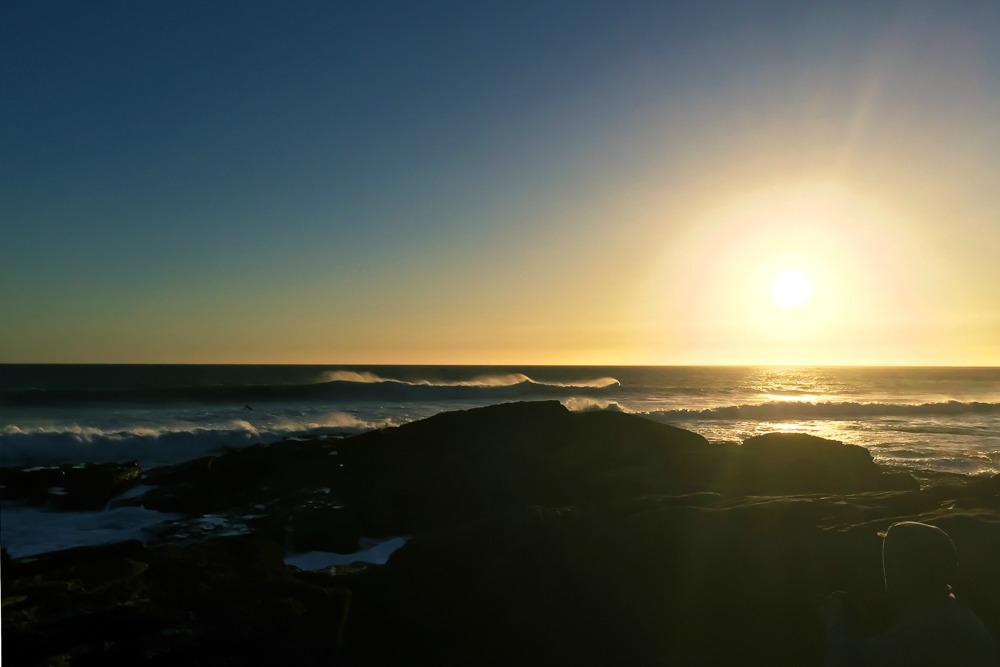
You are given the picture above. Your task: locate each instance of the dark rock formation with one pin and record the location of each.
(69, 487)
(231, 601)
(782, 463)
(457, 466)
(240, 476)
(539, 536)
(312, 528)
(685, 580)
(992, 485)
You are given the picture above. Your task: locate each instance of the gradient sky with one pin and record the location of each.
(499, 182)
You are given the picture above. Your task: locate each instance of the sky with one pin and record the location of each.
(499, 182)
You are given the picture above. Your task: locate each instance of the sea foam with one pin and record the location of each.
(28, 530)
(165, 443)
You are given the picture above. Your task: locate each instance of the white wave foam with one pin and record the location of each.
(336, 421)
(29, 530)
(584, 404)
(501, 380)
(161, 444)
(350, 376)
(371, 551)
(597, 383)
(70, 443)
(507, 380)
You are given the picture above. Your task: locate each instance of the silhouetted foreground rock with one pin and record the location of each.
(69, 487)
(459, 465)
(779, 463)
(539, 536)
(230, 601)
(688, 581)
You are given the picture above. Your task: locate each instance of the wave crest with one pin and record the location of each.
(339, 385)
(499, 380)
(49, 445)
(583, 404)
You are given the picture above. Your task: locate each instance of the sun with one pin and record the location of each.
(791, 288)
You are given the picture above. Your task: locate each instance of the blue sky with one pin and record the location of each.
(460, 182)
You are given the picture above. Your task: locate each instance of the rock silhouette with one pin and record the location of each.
(537, 536)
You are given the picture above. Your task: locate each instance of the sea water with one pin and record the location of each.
(942, 419)
(918, 419)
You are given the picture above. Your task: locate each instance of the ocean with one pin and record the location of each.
(917, 419)
(939, 419)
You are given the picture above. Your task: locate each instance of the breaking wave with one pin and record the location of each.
(159, 445)
(503, 380)
(580, 404)
(334, 386)
(831, 410)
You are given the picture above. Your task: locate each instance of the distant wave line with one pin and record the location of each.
(501, 380)
(335, 386)
(826, 410)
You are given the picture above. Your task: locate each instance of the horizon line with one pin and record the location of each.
(480, 364)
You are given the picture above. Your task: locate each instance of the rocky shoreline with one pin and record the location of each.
(537, 535)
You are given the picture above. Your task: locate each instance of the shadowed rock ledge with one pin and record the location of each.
(539, 535)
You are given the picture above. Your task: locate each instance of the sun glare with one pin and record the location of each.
(791, 288)
(790, 274)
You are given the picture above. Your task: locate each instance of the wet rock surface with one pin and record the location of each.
(227, 601)
(538, 535)
(69, 487)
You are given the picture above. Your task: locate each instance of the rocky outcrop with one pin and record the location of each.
(461, 465)
(692, 580)
(538, 536)
(242, 476)
(229, 601)
(783, 463)
(69, 487)
(457, 466)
